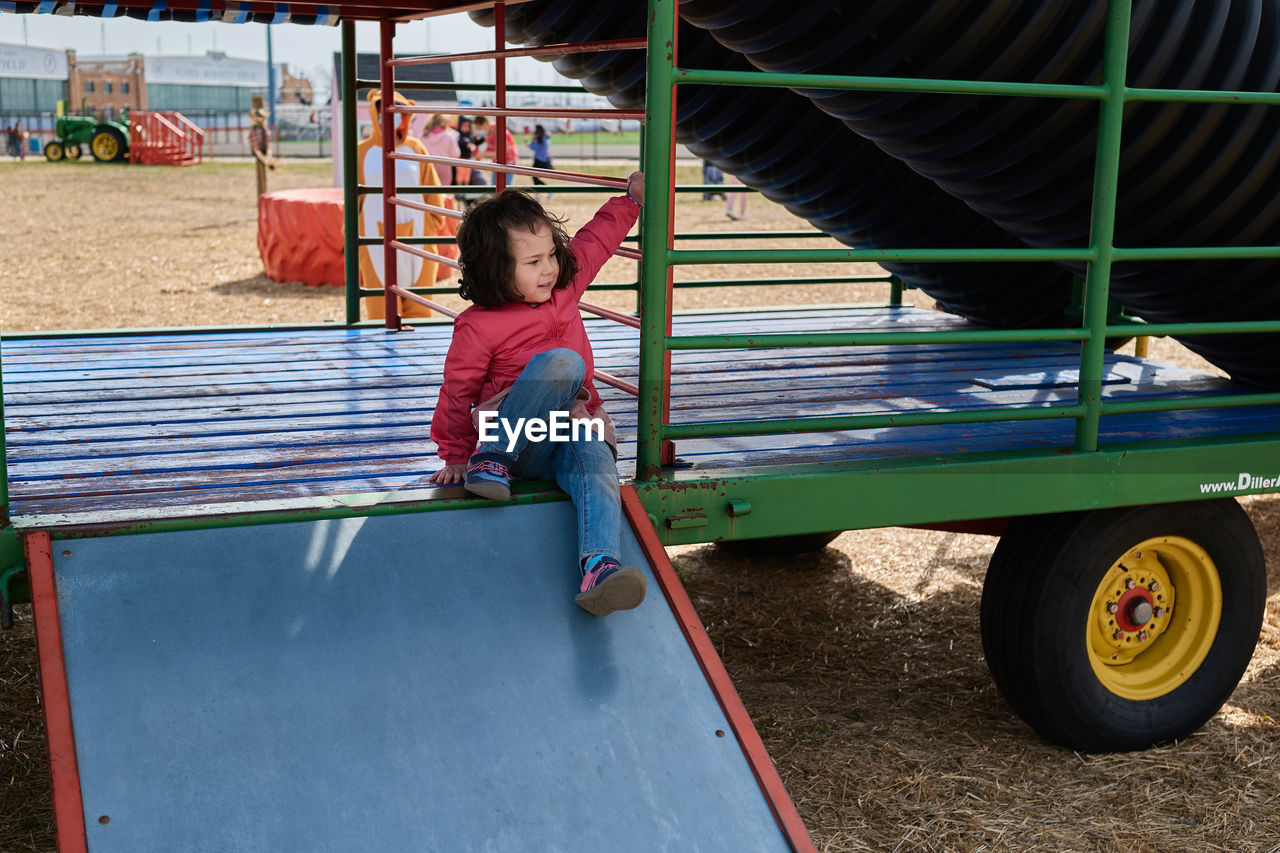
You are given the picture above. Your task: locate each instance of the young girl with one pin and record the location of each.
(521, 352)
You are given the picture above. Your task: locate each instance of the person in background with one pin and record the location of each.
(489, 150)
(466, 138)
(468, 147)
(540, 145)
(442, 141)
(711, 174)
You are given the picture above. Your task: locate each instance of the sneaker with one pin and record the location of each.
(488, 476)
(609, 587)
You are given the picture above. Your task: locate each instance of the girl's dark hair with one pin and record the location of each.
(540, 133)
(484, 247)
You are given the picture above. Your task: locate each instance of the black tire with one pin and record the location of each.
(1004, 592)
(779, 546)
(1040, 601)
(53, 152)
(108, 144)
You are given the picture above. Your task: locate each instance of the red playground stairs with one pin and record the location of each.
(164, 138)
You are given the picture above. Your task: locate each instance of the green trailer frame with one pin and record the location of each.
(1117, 612)
(687, 509)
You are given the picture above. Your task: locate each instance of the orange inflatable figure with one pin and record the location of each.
(411, 270)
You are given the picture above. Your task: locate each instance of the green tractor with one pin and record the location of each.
(106, 140)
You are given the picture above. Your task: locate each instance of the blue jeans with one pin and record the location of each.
(584, 467)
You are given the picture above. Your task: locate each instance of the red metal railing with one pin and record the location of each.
(500, 111)
(541, 50)
(165, 138)
(573, 177)
(607, 378)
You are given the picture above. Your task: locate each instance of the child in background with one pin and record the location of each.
(521, 350)
(442, 141)
(489, 142)
(541, 147)
(711, 175)
(467, 145)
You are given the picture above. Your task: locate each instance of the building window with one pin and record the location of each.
(25, 95)
(88, 87)
(124, 87)
(106, 87)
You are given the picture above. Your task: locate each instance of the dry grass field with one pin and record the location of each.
(860, 664)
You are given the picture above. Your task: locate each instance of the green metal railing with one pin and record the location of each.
(350, 174)
(657, 342)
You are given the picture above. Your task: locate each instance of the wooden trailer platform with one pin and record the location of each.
(150, 426)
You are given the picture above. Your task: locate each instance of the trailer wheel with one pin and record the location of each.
(54, 151)
(73, 151)
(107, 144)
(1119, 629)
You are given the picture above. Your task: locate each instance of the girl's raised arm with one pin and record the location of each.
(596, 241)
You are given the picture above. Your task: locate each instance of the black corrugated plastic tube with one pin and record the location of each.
(1022, 168)
(1190, 175)
(773, 140)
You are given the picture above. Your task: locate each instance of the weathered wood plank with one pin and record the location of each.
(176, 422)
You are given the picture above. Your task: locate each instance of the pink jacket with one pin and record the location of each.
(443, 143)
(491, 346)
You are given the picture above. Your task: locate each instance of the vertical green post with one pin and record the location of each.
(1076, 309)
(895, 291)
(1106, 174)
(639, 264)
(350, 198)
(655, 234)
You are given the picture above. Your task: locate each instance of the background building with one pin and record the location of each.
(295, 90)
(32, 81)
(214, 90)
(212, 83)
(106, 86)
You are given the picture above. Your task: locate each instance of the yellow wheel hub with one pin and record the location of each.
(105, 146)
(1154, 617)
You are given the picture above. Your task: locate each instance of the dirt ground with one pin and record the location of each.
(861, 664)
